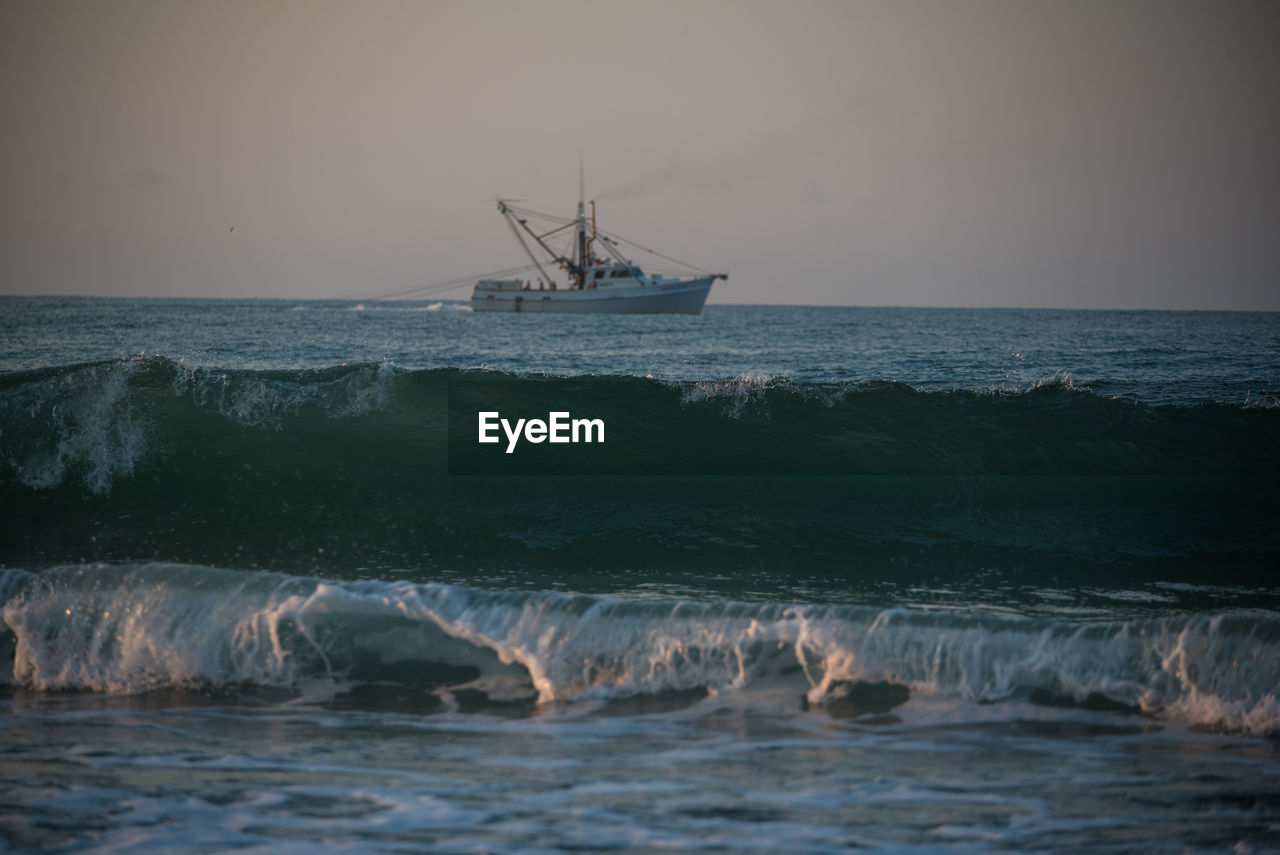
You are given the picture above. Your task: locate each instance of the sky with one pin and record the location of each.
(1072, 154)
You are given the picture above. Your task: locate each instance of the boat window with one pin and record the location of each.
(599, 274)
(618, 274)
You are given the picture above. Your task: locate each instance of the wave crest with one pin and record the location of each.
(81, 421)
(131, 628)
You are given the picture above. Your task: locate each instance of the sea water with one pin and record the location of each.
(901, 579)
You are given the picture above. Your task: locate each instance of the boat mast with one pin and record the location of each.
(584, 245)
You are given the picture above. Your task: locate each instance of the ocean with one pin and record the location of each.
(891, 579)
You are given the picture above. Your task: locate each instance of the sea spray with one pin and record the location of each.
(132, 628)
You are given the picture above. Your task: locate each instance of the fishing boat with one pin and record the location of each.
(597, 277)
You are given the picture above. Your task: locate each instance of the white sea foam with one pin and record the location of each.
(265, 399)
(738, 392)
(140, 627)
(1023, 383)
(82, 421)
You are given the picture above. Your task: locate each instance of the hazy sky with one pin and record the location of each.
(949, 153)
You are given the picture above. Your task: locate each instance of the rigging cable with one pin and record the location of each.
(618, 237)
(511, 222)
(441, 287)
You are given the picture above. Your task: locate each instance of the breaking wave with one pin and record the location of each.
(348, 467)
(137, 628)
(94, 425)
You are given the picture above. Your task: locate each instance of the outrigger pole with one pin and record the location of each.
(577, 269)
(511, 221)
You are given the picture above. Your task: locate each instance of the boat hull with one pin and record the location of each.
(678, 298)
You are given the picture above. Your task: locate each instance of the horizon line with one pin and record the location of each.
(778, 305)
